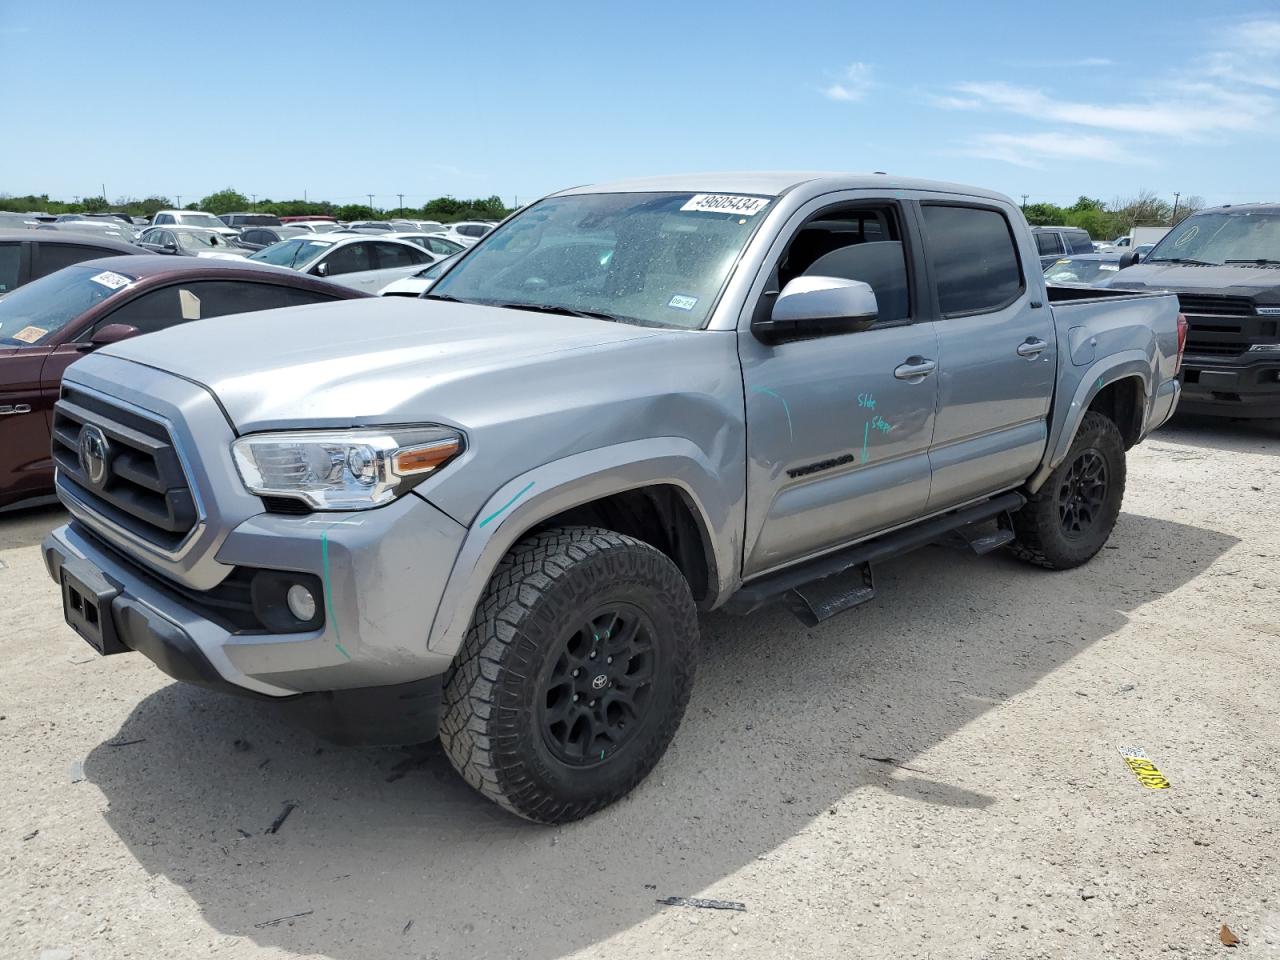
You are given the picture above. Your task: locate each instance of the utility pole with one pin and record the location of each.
(255, 201)
(1173, 217)
(104, 193)
(179, 201)
(370, 196)
(400, 210)
(1024, 202)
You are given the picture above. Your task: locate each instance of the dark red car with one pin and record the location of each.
(46, 325)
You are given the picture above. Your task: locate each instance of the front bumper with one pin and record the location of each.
(1249, 387)
(382, 572)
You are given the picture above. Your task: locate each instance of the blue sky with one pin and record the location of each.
(472, 98)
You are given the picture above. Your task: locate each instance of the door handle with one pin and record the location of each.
(9, 410)
(915, 369)
(1031, 348)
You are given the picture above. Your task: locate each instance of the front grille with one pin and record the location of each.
(143, 488)
(1216, 306)
(1219, 326)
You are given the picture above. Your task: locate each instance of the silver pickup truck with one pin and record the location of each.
(494, 513)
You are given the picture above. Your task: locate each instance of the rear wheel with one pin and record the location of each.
(1069, 519)
(574, 674)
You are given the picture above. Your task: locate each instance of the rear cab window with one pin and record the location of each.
(974, 256)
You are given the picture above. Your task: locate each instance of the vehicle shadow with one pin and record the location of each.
(1221, 433)
(388, 853)
(29, 526)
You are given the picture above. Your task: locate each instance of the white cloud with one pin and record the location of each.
(1187, 111)
(1032, 149)
(852, 85)
(1261, 36)
(956, 103)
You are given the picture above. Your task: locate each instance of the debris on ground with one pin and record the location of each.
(703, 904)
(31, 835)
(125, 743)
(406, 928)
(893, 762)
(1136, 759)
(76, 770)
(242, 746)
(292, 916)
(278, 822)
(1228, 938)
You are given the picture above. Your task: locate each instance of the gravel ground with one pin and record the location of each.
(935, 774)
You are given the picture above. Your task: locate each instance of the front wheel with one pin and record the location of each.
(574, 674)
(1069, 519)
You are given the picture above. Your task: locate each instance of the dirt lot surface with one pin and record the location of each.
(936, 774)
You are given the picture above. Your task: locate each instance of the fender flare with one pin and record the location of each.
(556, 486)
(1099, 376)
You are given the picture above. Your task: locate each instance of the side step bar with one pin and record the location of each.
(824, 586)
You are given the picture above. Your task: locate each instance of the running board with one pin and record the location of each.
(820, 600)
(807, 576)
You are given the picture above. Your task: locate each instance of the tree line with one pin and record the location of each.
(1105, 221)
(229, 200)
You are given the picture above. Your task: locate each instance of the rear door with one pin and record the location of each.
(838, 427)
(997, 350)
(49, 257)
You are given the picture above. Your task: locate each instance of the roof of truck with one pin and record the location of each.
(775, 183)
(1264, 207)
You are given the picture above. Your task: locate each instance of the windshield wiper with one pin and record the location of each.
(563, 311)
(442, 296)
(1260, 261)
(1190, 260)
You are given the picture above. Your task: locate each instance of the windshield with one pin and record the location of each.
(200, 220)
(658, 259)
(1079, 271)
(35, 312)
(292, 253)
(1220, 237)
(200, 241)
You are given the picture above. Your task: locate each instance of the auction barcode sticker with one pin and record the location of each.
(726, 203)
(1136, 759)
(111, 279)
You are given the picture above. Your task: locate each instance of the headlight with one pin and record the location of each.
(344, 469)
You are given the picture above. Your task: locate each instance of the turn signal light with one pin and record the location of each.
(409, 461)
(1182, 341)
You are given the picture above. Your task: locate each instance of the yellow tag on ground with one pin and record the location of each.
(1137, 760)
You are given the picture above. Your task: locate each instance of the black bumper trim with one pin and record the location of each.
(402, 713)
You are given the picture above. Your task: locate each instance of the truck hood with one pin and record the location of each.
(1239, 279)
(366, 361)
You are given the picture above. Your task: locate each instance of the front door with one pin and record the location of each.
(997, 351)
(838, 427)
(25, 466)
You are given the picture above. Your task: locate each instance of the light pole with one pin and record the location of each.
(1173, 217)
(370, 196)
(1024, 202)
(254, 205)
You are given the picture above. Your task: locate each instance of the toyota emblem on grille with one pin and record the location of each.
(93, 451)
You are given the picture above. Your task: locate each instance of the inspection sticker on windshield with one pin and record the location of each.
(725, 203)
(30, 334)
(111, 280)
(682, 302)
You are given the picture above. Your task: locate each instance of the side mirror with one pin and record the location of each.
(322, 269)
(170, 248)
(1128, 259)
(818, 306)
(112, 333)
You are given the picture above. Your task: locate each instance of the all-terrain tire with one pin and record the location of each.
(495, 724)
(1068, 519)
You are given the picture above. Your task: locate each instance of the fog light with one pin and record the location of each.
(302, 603)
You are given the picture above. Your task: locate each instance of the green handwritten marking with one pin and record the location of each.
(791, 434)
(866, 435)
(506, 506)
(328, 593)
(1099, 384)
